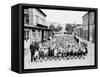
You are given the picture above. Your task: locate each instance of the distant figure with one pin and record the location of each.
(76, 39)
(48, 38)
(32, 49)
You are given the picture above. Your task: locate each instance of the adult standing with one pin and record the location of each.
(32, 49)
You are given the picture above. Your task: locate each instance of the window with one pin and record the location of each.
(26, 35)
(33, 32)
(26, 19)
(26, 11)
(39, 32)
(91, 18)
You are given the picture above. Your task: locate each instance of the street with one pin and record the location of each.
(89, 60)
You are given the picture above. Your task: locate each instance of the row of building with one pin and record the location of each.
(35, 29)
(87, 29)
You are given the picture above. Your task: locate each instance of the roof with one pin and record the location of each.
(85, 15)
(42, 12)
(39, 28)
(42, 26)
(79, 27)
(25, 11)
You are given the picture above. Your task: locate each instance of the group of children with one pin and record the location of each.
(60, 49)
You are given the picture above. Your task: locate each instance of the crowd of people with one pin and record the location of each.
(65, 47)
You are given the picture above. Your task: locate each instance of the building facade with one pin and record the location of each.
(89, 26)
(34, 26)
(92, 26)
(78, 30)
(85, 32)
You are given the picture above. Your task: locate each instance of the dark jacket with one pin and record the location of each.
(32, 48)
(37, 46)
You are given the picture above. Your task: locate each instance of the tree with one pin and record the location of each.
(52, 27)
(58, 28)
(69, 28)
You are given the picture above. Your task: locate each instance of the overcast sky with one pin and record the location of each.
(64, 16)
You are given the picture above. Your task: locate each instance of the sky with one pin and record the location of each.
(64, 16)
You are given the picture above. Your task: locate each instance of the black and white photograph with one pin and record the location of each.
(58, 38)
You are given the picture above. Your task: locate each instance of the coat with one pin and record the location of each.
(32, 48)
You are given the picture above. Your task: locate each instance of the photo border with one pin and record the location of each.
(21, 33)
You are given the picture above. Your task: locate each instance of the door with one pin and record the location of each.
(42, 35)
